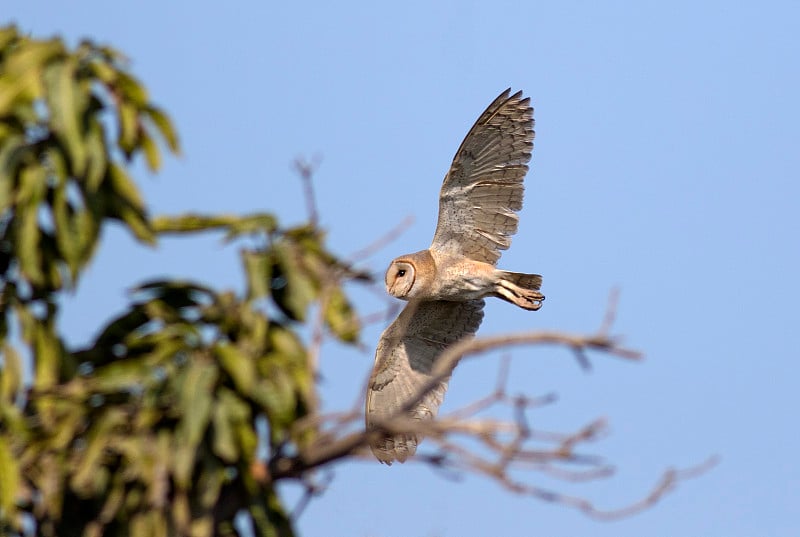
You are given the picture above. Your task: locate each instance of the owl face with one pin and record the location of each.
(400, 278)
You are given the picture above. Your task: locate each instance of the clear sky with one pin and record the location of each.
(666, 163)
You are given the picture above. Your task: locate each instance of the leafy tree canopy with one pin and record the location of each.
(155, 427)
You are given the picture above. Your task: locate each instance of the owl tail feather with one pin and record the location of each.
(520, 289)
(399, 447)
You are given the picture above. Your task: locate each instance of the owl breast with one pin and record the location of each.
(460, 278)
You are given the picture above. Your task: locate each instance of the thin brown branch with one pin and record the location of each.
(311, 488)
(496, 448)
(576, 476)
(453, 354)
(666, 484)
(323, 453)
(611, 311)
(306, 168)
(588, 433)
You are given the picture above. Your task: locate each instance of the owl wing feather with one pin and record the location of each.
(404, 362)
(483, 189)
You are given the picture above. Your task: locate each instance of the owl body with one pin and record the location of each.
(430, 275)
(435, 275)
(445, 285)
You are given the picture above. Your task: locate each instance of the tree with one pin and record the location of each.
(157, 426)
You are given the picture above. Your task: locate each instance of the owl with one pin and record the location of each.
(445, 285)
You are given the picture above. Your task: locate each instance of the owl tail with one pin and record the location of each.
(520, 289)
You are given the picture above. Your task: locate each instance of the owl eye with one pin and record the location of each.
(401, 273)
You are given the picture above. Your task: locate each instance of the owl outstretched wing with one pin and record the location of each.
(483, 188)
(404, 362)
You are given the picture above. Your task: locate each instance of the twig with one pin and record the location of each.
(611, 311)
(666, 484)
(447, 361)
(496, 448)
(324, 452)
(311, 489)
(306, 169)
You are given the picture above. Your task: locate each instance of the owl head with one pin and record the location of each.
(400, 278)
(410, 276)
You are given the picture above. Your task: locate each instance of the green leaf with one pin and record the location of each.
(191, 223)
(8, 170)
(176, 293)
(59, 174)
(87, 230)
(340, 317)
(32, 185)
(97, 155)
(103, 71)
(132, 90)
(28, 240)
(270, 517)
(148, 523)
(10, 375)
(28, 251)
(22, 76)
(118, 329)
(209, 485)
(164, 126)
(194, 403)
(48, 356)
(251, 224)
(128, 204)
(293, 285)
(8, 34)
(87, 477)
(128, 127)
(10, 156)
(238, 365)
(124, 187)
(67, 102)
(288, 345)
(230, 415)
(71, 420)
(202, 526)
(258, 270)
(136, 221)
(67, 238)
(9, 479)
(32, 54)
(121, 375)
(277, 396)
(151, 153)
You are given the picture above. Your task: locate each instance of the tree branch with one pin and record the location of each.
(329, 448)
(495, 448)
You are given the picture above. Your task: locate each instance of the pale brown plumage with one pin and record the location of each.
(445, 285)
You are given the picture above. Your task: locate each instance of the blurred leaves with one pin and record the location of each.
(152, 428)
(62, 169)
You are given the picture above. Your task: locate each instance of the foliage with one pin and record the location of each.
(155, 427)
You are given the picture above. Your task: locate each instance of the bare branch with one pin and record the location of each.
(462, 349)
(323, 452)
(611, 311)
(667, 483)
(306, 169)
(496, 448)
(311, 488)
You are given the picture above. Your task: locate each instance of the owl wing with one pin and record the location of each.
(483, 188)
(404, 362)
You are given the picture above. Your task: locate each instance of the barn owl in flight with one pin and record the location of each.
(445, 285)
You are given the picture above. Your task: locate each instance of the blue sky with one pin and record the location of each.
(666, 163)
